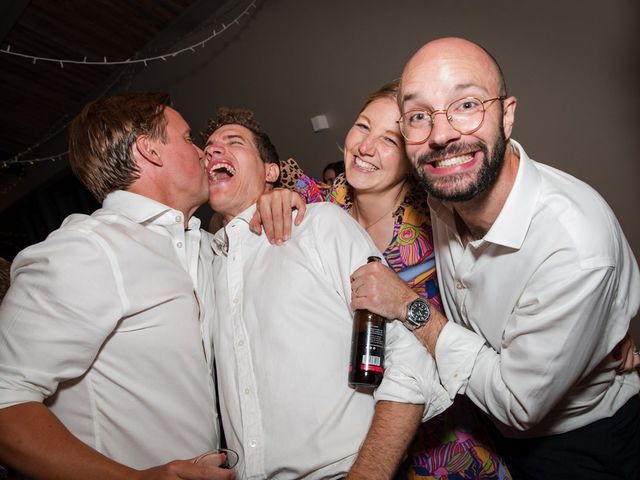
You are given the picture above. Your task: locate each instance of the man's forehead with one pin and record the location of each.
(173, 116)
(445, 80)
(231, 130)
(448, 66)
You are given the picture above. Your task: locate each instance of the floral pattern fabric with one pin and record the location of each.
(455, 444)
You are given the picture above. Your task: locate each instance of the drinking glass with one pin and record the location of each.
(230, 458)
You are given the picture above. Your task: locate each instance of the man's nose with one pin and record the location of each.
(213, 148)
(442, 132)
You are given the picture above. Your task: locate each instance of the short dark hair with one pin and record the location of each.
(245, 118)
(101, 138)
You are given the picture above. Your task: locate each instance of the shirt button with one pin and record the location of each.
(179, 244)
(252, 443)
(241, 343)
(247, 391)
(178, 219)
(236, 301)
(459, 285)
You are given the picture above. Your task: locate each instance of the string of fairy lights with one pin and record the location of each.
(129, 61)
(17, 159)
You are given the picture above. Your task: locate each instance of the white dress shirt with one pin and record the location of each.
(105, 322)
(282, 339)
(538, 305)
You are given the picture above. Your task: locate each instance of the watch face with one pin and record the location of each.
(419, 311)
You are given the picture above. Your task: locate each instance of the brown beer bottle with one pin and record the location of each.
(367, 347)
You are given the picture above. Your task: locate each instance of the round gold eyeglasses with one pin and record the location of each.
(464, 115)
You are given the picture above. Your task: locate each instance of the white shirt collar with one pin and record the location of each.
(143, 209)
(510, 227)
(220, 241)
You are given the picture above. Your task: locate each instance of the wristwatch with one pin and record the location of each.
(418, 313)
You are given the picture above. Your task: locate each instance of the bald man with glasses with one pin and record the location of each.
(538, 281)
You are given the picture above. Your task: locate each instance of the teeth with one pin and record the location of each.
(366, 165)
(213, 169)
(454, 161)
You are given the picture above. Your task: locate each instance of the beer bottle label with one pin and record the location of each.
(372, 352)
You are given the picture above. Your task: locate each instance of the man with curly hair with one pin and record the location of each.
(282, 331)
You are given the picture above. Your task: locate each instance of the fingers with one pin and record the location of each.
(210, 472)
(377, 288)
(280, 217)
(209, 466)
(213, 459)
(623, 363)
(264, 216)
(371, 270)
(627, 352)
(365, 279)
(255, 224)
(298, 203)
(358, 303)
(627, 362)
(635, 353)
(285, 225)
(633, 356)
(275, 209)
(188, 470)
(289, 201)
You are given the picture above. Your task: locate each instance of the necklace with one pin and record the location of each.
(355, 212)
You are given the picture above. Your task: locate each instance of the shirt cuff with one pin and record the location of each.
(456, 351)
(396, 387)
(9, 397)
(411, 375)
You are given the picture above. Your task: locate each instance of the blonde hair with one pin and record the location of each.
(101, 138)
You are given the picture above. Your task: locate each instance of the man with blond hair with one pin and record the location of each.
(105, 348)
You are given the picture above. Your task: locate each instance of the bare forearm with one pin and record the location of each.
(392, 429)
(35, 443)
(428, 334)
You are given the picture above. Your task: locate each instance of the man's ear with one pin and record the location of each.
(273, 172)
(509, 115)
(145, 147)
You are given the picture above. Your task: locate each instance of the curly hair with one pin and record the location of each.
(244, 118)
